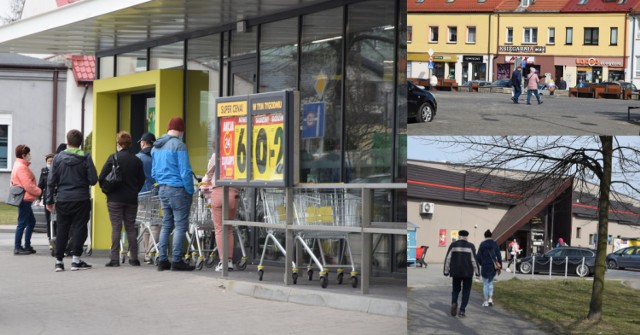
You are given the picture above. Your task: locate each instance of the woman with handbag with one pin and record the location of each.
(122, 196)
(22, 176)
(490, 260)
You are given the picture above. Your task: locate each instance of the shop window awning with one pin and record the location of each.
(88, 26)
(519, 215)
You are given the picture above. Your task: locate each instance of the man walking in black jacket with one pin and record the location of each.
(72, 174)
(516, 84)
(461, 265)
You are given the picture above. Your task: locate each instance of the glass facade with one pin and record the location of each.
(349, 65)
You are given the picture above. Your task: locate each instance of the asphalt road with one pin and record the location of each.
(495, 114)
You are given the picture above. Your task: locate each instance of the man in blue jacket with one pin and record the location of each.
(461, 265)
(516, 83)
(172, 171)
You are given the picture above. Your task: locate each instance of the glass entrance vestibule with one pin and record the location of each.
(343, 59)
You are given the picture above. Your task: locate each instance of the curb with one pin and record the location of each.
(325, 299)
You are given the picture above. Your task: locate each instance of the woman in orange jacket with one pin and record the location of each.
(22, 176)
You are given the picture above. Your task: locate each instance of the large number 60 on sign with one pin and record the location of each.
(268, 147)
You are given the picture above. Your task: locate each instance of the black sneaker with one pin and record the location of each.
(540, 103)
(454, 309)
(30, 250)
(59, 267)
(112, 264)
(164, 265)
(134, 262)
(21, 251)
(80, 266)
(182, 266)
(461, 314)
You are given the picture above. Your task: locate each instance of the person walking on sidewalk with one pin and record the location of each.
(122, 201)
(489, 258)
(146, 144)
(516, 84)
(216, 193)
(514, 252)
(171, 169)
(532, 86)
(461, 265)
(22, 176)
(72, 173)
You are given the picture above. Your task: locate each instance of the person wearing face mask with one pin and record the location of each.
(22, 176)
(42, 183)
(172, 171)
(122, 201)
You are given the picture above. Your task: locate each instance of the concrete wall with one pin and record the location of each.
(590, 227)
(451, 216)
(74, 106)
(28, 99)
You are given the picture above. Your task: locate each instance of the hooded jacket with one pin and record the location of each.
(170, 163)
(22, 176)
(72, 173)
(461, 260)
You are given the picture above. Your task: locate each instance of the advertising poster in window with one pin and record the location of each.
(442, 238)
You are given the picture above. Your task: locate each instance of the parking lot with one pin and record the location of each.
(462, 113)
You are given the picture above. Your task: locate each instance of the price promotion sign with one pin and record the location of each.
(256, 134)
(232, 138)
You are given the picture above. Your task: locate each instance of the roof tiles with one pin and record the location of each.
(454, 6)
(592, 6)
(537, 6)
(84, 68)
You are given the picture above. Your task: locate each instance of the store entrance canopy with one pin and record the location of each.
(89, 26)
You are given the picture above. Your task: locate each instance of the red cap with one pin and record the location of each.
(176, 123)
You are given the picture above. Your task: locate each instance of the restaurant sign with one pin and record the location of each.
(597, 62)
(522, 49)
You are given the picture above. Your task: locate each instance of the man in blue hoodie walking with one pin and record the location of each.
(172, 171)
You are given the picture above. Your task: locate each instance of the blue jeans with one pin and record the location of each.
(176, 205)
(517, 90)
(463, 284)
(534, 92)
(487, 287)
(26, 222)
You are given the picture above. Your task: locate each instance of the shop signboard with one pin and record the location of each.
(256, 135)
(472, 59)
(522, 49)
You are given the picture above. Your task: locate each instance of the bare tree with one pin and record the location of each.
(15, 12)
(549, 160)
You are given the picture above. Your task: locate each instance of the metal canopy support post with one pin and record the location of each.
(289, 240)
(365, 261)
(222, 250)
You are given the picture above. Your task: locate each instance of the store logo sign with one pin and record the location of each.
(596, 62)
(522, 49)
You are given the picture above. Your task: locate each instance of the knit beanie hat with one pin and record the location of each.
(176, 123)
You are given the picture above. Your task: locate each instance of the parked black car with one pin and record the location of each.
(624, 258)
(559, 262)
(502, 83)
(422, 105)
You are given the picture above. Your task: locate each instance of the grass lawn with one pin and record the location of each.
(561, 307)
(8, 214)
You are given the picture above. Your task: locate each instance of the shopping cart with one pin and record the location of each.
(149, 215)
(327, 208)
(274, 213)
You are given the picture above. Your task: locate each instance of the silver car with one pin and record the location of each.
(624, 258)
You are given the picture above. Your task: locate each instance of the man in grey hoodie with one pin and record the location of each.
(72, 174)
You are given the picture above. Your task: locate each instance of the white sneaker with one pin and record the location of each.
(490, 302)
(229, 266)
(508, 270)
(485, 304)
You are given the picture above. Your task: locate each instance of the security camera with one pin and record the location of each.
(475, 226)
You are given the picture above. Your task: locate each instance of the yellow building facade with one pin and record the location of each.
(459, 42)
(587, 47)
(577, 46)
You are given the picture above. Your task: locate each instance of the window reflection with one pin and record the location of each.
(279, 55)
